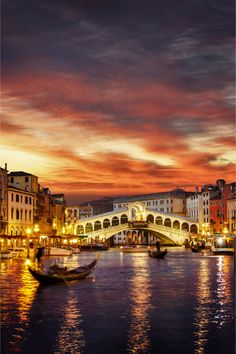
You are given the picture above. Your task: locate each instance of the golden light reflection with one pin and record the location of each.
(223, 291)
(204, 297)
(26, 293)
(140, 297)
(70, 336)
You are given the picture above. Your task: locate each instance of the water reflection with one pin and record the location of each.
(22, 297)
(214, 299)
(70, 335)
(204, 297)
(140, 301)
(223, 291)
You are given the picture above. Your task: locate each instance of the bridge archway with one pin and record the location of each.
(159, 220)
(106, 223)
(80, 230)
(167, 222)
(88, 227)
(115, 221)
(124, 219)
(193, 229)
(176, 224)
(150, 218)
(97, 225)
(185, 226)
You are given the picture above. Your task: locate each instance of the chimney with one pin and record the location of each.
(196, 190)
(6, 166)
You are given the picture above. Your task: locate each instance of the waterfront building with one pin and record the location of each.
(173, 202)
(19, 211)
(194, 207)
(3, 200)
(231, 215)
(100, 206)
(43, 217)
(58, 207)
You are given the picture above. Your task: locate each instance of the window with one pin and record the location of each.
(25, 215)
(17, 197)
(30, 200)
(12, 197)
(26, 179)
(12, 179)
(12, 213)
(30, 214)
(17, 214)
(26, 200)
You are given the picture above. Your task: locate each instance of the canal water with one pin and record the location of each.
(131, 304)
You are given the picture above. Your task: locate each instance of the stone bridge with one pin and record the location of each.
(171, 228)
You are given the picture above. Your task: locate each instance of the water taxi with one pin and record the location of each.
(223, 245)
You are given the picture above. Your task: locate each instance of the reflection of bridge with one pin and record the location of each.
(169, 227)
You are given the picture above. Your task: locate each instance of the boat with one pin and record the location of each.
(6, 254)
(223, 245)
(56, 251)
(155, 254)
(196, 249)
(94, 247)
(56, 274)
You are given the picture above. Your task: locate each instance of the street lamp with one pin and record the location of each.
(28, 231)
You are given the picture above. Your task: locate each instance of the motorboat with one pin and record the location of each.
(56, 251)
(223, 245)
(6, 254)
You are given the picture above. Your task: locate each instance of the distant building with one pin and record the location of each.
(100, 206)
(173, 202)
(231, 217)
(194, 207)
(58, 207)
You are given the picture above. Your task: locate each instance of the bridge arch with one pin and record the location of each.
(159, 220)
(124, 219)
(150, 218)
(106, 223)
(115, 221)
(97, 225)
(167, 222)
(194, 229)
(80, 230)
(88, 227)
(176, 224)
(185, 226)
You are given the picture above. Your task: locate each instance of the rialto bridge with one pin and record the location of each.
(169, 228)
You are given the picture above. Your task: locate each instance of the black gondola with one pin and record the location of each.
(156, 254)
(62, 275)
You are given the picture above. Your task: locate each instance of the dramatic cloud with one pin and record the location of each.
(111, 98)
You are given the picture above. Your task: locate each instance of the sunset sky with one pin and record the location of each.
(104, 98)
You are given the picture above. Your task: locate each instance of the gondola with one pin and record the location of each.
(156, 254)
(62, 275)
